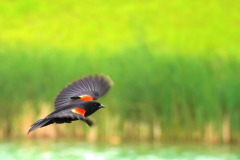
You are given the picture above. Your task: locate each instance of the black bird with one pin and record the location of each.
(77, 101)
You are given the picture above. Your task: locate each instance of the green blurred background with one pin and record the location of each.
(175, 67)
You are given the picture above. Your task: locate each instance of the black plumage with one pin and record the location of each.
(70, 107)
(95, 86)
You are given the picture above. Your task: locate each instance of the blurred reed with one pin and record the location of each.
(175, 66)
(156, 96)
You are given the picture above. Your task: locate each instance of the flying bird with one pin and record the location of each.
(77, 101)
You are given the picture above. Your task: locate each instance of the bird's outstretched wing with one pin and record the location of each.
(63, 116)
(87, 88)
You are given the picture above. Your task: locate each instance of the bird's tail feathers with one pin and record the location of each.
(38, 124)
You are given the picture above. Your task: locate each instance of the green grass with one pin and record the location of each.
(173, 64)
(184, 92)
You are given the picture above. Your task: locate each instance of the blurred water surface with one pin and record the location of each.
(84, 151)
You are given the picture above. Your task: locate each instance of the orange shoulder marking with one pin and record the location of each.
(79, 111)
(86, 98)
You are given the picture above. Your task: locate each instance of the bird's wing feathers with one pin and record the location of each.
(65, 114)
(92, 87)
(70, 114)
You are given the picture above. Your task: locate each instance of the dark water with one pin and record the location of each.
(46, 150)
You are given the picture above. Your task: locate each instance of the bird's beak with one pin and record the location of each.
(102, 106)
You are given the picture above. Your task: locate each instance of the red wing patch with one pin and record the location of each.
(86, 98)
(79, 111)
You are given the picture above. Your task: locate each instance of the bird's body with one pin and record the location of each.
(76, 102)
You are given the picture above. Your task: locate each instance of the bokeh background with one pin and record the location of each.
(175, 66)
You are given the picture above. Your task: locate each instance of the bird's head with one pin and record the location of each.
(96, 105)
(91, 106)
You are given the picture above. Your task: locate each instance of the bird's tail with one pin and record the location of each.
(39, 123)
